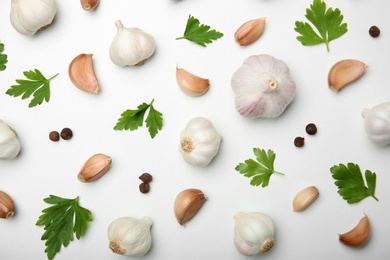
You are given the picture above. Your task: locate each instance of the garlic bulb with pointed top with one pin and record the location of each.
(9, 142)
(263, 87)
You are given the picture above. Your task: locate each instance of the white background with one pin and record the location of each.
(44, 167)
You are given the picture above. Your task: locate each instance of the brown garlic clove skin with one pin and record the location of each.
(187, 204)
(304, 198)
(94, 168)
(344, 72)
(7, 206)
(250, 31)
(191, 84)
(89, 5)
(82, 74)
(359, 235)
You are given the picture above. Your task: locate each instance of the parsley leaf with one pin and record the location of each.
(3, 58)
(36, 85)
(131, 119)
(350, 183)
(199, 33)
(61, 220)
(328, 22)
(261, 170)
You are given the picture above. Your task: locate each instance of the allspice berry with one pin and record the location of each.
(299, 141)
(146, 177)
(54, 136)
(374, 31)
(66, 133)
(311, 129)
(144, 187)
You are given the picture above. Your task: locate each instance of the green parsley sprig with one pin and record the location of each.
(36, 85)
(61, 220)
(350, 182)
(131, 119)
(261, 170)
(3, 58)
(199, 33)
(328, 23)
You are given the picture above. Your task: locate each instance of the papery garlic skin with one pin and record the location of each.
(131, 46)
(130, 236)
(199, 142)
(9, 142)
(377, 123)
(253, 233)
(263, 87)
(30, 16)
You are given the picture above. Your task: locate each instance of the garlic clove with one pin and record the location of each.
(7, 206)
(82, 74)
(191, 84)
(344, 72)
(89, 5)
(9, 142)
(359, 235)
(187, 204)
(304, 198)
(250, 31)
(94, 168)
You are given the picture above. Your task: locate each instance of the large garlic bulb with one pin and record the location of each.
(9, 142)
(130, 236)
(263, 87)
(30, 16)
(199, 142)
(377, 123)
(131, 46)
(253, 233)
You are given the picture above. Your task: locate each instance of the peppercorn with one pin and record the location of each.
(311, 129)
(54, 136)
(299, 141)
(146, 177)
(144, 187)
(374, 31)
(66, 133)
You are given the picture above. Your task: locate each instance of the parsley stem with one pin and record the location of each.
(279, 173)
(53, 77)
(375, 198)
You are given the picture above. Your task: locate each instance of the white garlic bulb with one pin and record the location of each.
(377, 123)
(131, 46)
(9, 142)
(253, 233)
(199, 142)
(263, 87)
(30, 16)
(130, 236)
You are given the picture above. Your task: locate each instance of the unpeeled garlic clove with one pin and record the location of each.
(89, 5)
(304, 198)
(187, 204)
(7, 206)
(344, 72)
(250, 31)
(359, 235)
(82, 74)
(94, 168)
(191, 84)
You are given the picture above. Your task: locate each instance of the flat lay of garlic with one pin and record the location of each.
(377, 123)
(9, 142)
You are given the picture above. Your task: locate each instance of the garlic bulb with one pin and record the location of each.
(253, 233)
(131, 46)
(199, 142)
(30, 16)
(377, 123)
(130, 236)
(9, 142)
(263, 87)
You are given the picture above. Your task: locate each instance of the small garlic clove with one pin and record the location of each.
(187, 204)
(94, 168)
(250, 31)
(344, 72)
(89, 5)
(359, 235)
(191, 84)
(82, 74)
(7, 206)
(304, 198)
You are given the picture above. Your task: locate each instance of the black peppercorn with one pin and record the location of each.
(54, 136)
(374, 31)
(311, 129)
(146, 177)
(299, 141)
(144, 187)
(66, 133)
